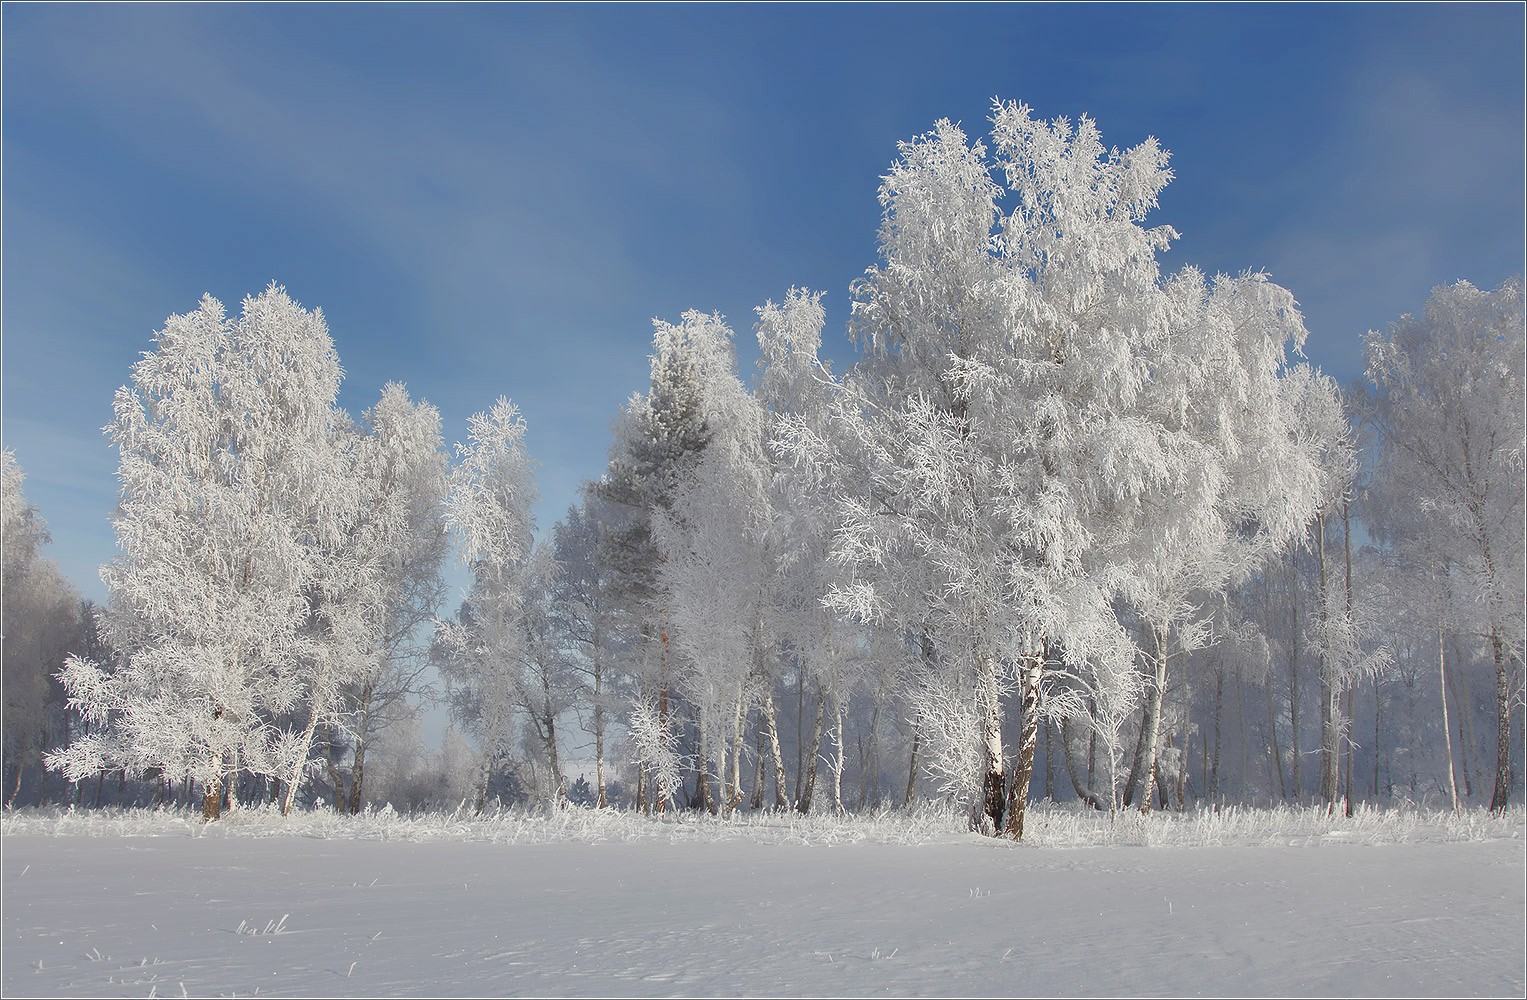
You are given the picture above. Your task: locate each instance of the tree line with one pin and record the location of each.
(1068, 525)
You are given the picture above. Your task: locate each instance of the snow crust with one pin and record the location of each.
(583, 903)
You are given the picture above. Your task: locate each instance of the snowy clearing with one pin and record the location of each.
(138, 904)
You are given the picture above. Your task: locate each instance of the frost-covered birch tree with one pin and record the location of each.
(233, 486)
(794, 389)
(812, 620)
(715, 566)
(595, 624)
(1229, 478)
(951, 437)
(1047, 424)
(386, 575)
(1448, 412)
(492, 491)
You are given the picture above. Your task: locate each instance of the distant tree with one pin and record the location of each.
(484, 652)
(807, 476)
(714, 562)
(581, 794)
(44, 621)
(659, 438)
(1231, 462)
(1447, 408)
(390, 582)
(596, 627)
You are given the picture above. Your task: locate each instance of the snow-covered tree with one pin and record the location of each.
(1046, 424)
(387, 573)
(715, 566)
(499, 663)
(24, 530)
(596, 626)
(808, 474)
(233, 486)
(1448, 410)
(938, 424)
(1222, 442)
(44, 621)
(659, 438)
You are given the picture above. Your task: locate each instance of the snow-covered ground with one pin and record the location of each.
(1242, 903)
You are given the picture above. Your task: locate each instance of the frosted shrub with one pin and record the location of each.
(656, 749)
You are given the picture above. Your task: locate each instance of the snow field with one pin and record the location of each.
(591, 904)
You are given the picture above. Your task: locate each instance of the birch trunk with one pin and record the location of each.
(734, 771)
(1447, 733)
(231, 773)
(925, 644)
(1349, 718)
(800, 732)
(1458, 678)
(1502, 793)
(362, 739)
(212, 796)
(295, 778)
(1092, 762)
(1180, 789)
(1030, 672)
(707, 796)
(1136, 759)
(1083, 791)
(1450, 690)
(804, 802)
(1275, 754)
(1330, 685)
(1049, 762)
(838, 759)
(558, 784)
(1347, 745)
(870, 764)
(1296, 786)
(1211, 786)
(917, 735)
(1150, 734)
(601, 788)
(1378, 714)
(989, 705)
(758, 766)
(1240, 686)
(771, 728)
(662, 701)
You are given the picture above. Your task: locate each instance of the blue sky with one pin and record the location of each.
(492, 200)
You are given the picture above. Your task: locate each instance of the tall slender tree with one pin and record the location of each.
(1448, 410)
(660, 436)
(483, 650)
(386, 582)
